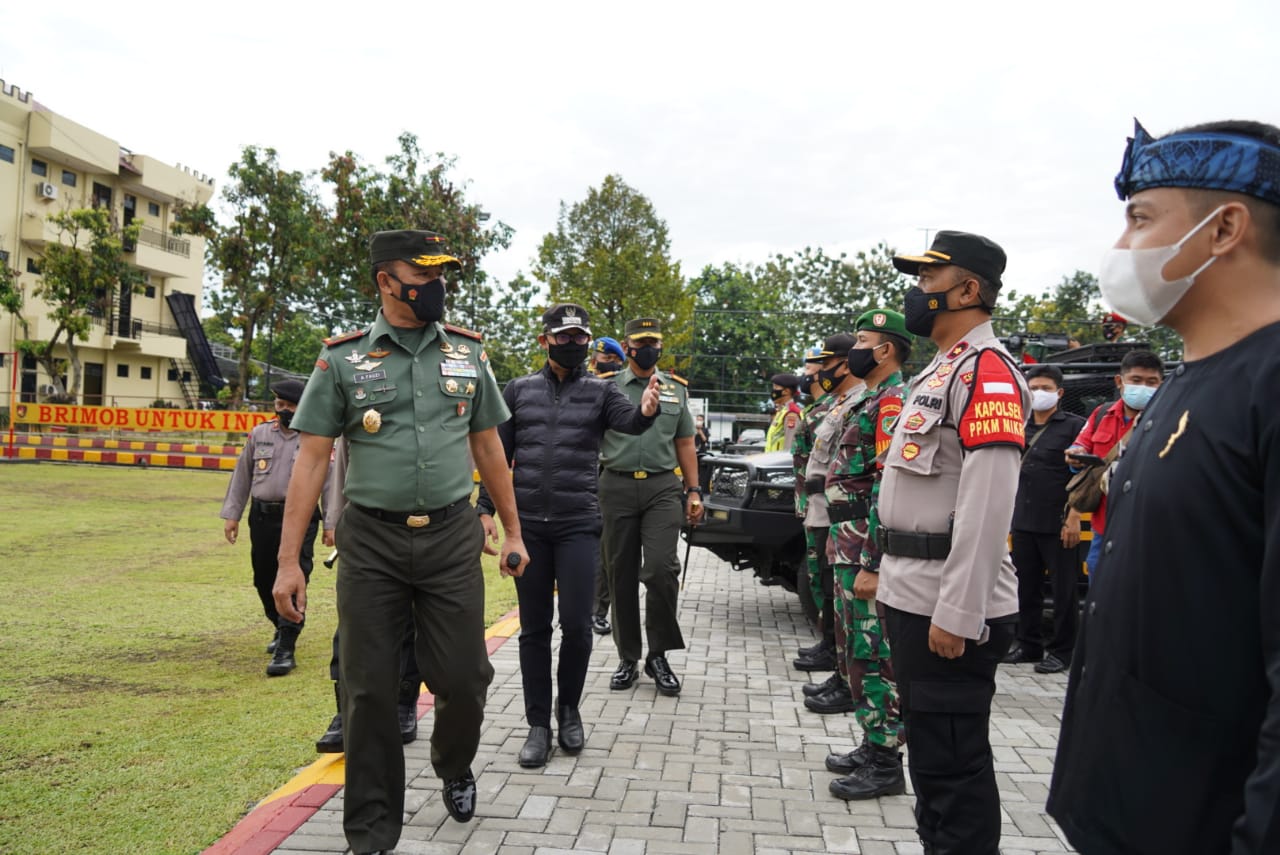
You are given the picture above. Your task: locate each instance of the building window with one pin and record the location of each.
(122, 370)
(4, 256)
(173, 374)
(39, 167)
(6, 154)
(146, 372)
(153, 208)
(151, 291)
(32, 267)
(68, 178)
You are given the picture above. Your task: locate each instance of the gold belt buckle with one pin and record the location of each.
(417, 520)
(640, 476)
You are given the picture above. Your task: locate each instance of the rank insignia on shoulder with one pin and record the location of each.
(463, 331)
(679, 379)
(339, 339)
(957, 350)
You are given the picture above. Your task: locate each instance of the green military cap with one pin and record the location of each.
(885, 321)
(643, 328)
(419, 248)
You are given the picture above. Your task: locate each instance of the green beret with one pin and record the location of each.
(885, 321)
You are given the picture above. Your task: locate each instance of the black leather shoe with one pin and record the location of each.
(844, 764)
(460, 797)
(823, 660)
(881, 776)
(626, 675)
(570, 734)
(806, 652)
(1051, 665)
(331, 742)
(601, 626)
(657, 668)
(1018, 654)
(408, 715)
(271, 645)
(282, 663)
(837, 700)
(537, 747)
(835, 681)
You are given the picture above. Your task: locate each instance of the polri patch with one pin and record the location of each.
(370, 376)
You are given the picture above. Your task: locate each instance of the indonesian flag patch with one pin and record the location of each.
(994, 413)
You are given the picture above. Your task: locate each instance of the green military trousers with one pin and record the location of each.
(642, 519)
(436, 568)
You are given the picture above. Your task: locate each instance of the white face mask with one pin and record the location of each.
(1133, 283)
(1043, 399)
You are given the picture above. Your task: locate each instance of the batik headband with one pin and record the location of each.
(1201, 160)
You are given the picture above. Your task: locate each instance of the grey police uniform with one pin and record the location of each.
(406, 400)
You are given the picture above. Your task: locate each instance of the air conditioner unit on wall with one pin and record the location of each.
(46, 389)
(45, 190)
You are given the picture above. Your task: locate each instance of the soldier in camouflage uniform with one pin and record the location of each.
(801, 446)
(874, 768)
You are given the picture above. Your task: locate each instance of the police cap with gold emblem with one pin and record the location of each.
(837, 345)
(974, 253)
(643, 328)
(419, 248)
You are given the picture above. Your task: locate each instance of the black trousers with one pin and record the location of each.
(264, 546)
(386, 567)
(1033, 553)
(946, 707)
(563, 557)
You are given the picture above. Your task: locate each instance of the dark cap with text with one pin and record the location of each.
(565, 316)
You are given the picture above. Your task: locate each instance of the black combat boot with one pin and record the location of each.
(331, 742)
(271, 645)
(882, 776)
(822, 660)
(845, 764)
(282, 660)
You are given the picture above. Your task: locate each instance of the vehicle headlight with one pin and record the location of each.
(730, 481)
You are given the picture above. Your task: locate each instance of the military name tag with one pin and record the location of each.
(458, 369)
(369, 376)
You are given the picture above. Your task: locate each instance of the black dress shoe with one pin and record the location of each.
(331, 742)
(835, 681)
(537, 747)
(823, 660)
(460, 797)
(1051, 665)
(837, 700)
(1020, 653)
(657, 668)
(626, 675)
(570, 734)
(408, 715)
(600, 626)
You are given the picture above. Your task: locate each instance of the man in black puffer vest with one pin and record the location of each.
(552, 441)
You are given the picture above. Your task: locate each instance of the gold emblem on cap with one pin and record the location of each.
(451, 385)
(372, 421)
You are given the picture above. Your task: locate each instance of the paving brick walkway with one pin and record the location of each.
(733, 765)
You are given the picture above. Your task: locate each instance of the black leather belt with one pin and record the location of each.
(416, 519)
(639, 474)
(913, 544)
(272, 508)
(815, 485)
(854, 509)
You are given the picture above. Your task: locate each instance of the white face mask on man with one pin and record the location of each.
(1133, 283)
(1043, 399)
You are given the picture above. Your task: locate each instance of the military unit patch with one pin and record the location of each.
(910, 451)
(915, 421)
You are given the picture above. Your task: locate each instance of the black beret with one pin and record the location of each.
(289, 390)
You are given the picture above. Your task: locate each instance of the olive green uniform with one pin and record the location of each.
(641, 502)
(406, 400)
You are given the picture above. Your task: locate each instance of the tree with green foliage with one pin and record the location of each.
(80, 276)
(292, 346)
(415, 191)
(267, 253)
(610, 254)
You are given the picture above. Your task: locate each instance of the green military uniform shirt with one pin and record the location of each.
(405, 399)
(654, 450)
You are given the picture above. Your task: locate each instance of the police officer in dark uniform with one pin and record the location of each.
(640, 497)
(411, 395)
(262, 472)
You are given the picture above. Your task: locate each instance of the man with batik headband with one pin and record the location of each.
(1170, 736)
(874, 768)
(946, 580)
(412, 396)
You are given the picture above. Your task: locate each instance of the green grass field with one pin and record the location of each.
(135, 715)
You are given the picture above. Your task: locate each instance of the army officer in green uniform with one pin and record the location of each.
(640, 500)
(410, 394)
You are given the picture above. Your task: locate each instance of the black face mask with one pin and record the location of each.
(606, 367)
(568, 355)
(827, 379)
(862, 361)
(646, 357)
(920, 309)
(426, 300)
(775, 394)
(285, 417)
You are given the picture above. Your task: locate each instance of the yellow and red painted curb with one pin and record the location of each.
(124, 452)
(284, 811)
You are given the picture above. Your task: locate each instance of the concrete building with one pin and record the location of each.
(142, 348)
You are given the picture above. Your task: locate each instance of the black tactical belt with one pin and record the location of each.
(854, 509)
(416, 519)
(815, 485)
(913, 544)
(273, 508)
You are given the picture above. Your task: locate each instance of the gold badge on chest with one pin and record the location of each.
(372, 421)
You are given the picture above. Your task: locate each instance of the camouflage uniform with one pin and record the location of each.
(862, 649)
(800, 450)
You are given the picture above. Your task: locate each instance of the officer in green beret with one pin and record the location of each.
(641, 501)
(411, 395)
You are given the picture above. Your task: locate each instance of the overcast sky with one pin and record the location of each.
(754, 128)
